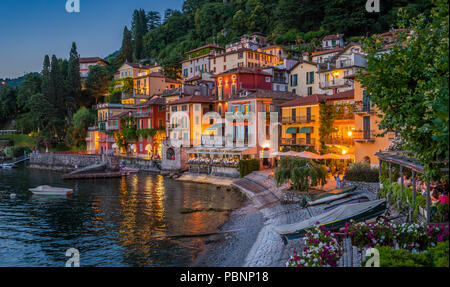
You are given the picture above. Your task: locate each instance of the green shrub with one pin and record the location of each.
(248, 166)
(437, 256)
(390, 257)
(440, 254)
(16, 151)
(361, 172)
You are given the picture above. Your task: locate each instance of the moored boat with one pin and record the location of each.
(49, 190)
(334, 219)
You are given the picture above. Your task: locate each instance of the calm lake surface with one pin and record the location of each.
(112, 222)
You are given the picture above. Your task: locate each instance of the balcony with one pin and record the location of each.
(339, 141)
(298, 119)
(363, 108)
(346, 116)
(142, 115)
(364, 136)
(336, 83)
(112, 128)
(298, 141)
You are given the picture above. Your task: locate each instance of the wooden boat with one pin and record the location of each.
(336, 191)
(331, 198)
(334, 219)
(49, 190)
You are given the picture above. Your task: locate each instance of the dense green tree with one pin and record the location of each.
(154, 19)
(7, 102)
(97, 82)
(409, 85)
(30, 86)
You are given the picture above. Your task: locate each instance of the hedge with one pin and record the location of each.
(361, 172)
(433, 257)
(248, 166)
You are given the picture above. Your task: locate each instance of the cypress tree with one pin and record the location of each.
(126, 54)
(46, 85)
(73, 76)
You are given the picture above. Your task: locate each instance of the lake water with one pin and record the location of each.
(126, 221)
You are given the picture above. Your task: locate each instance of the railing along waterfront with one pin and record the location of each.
(363, 108)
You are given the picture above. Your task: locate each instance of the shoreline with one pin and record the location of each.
(231, 249)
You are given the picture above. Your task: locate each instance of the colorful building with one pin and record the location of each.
(198, 61)
(87, 63)
(241, 58)
(300, 119)
(367, 143)
(304, 79)
(332, 75)
(333, 41)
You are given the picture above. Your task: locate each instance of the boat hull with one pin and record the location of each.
(369, 214)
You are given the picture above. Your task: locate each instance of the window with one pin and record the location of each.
(233, 89)
(294, 91)
(197, 120)
(160, 123)
(224, 58)
(293, 80)
(184, 108)
(160, 108)
(240, 55)
(224, 67)
(174, 108)
(310, 77)
(267, 79)
(309, 91)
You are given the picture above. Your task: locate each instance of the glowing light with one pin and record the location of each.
(266, 145)
(336, 74)
(349, 133)
(344, 151)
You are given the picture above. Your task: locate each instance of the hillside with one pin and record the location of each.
(299, 24)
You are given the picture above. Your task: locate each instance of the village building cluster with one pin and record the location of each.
(248, 76)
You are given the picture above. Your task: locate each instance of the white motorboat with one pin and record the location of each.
(6, 165)
(49, 190)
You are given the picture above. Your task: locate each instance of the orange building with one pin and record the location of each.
(366, 128)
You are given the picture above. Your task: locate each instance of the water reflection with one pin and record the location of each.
(118, 222)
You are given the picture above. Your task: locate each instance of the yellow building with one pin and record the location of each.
(300, 121)
(149, 84)
(304, 79)
(366, 128)
(241, 58)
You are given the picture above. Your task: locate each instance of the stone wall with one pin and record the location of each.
(70, 162)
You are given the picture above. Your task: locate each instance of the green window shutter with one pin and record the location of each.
(312, 77)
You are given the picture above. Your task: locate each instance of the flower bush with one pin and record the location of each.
(323, 250)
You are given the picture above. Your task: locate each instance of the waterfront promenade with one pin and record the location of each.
(253, 242)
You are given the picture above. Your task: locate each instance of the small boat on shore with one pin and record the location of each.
(6, 165)
(331, 198)
(49, 190)
(334, 219)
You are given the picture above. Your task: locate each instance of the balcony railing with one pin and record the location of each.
(364, 135)
(335, 84)
(298, 141)
(298, 119)
(112, 128)
(339, 141)
(347, 116)
(363, 108)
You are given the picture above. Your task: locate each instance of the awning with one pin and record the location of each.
(306, 130)
(292, 130)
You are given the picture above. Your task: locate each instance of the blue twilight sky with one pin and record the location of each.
(31, 29)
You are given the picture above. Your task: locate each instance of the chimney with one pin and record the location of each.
(305, 56)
